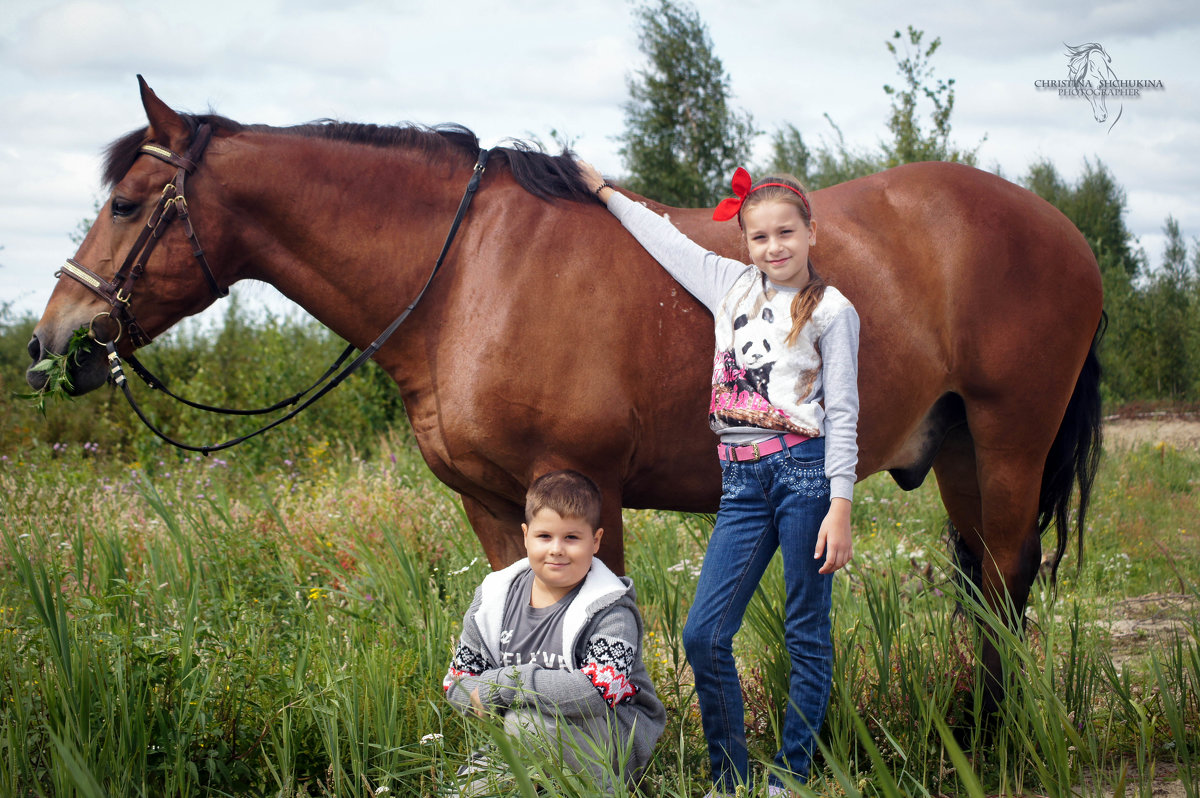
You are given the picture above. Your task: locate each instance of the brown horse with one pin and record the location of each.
(551, 339)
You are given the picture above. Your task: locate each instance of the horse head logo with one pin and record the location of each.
(1088, 68)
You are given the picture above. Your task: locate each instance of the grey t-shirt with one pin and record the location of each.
(533, 634)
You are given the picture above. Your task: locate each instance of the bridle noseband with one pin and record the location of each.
(172, 205)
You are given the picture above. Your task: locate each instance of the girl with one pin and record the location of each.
(785, 405)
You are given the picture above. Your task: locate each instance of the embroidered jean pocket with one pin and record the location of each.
(805, 478)
(733, 479)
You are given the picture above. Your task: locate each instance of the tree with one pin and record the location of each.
(827, 165)
(835, 162)
(789, 153)
(1097, 206)
(1169, 303)
(909, 142)
(682, 139)
(1192, 340)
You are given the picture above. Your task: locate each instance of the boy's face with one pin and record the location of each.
(560, 552)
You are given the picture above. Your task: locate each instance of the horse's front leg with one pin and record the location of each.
(612, 545)
(497, 524)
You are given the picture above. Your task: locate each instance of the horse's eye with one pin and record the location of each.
(123, 208)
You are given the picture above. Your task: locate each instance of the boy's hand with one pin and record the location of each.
(835, 539)
(477, 704)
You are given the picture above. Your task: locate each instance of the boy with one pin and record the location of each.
(552, 643)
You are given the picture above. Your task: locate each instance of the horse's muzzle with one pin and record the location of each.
(86, 371)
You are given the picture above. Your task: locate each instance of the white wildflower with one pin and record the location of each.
(464, 569)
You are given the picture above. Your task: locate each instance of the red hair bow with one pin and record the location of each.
(730, 206)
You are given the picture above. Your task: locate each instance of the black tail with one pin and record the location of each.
(1074, 457)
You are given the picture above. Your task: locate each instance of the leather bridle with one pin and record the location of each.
(172, 205)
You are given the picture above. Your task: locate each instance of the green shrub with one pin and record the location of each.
(245, 362)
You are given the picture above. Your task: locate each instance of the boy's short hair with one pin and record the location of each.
(568, 493)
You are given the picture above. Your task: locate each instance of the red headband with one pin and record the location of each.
(730, 206)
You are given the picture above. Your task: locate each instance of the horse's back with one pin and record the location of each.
(966, 284)
(952, 218)
(958, 253)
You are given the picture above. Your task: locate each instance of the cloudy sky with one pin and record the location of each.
(522, 68)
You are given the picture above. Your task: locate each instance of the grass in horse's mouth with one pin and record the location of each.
(54, 366)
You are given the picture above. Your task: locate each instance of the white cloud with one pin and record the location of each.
(93, 41)
(522, 67)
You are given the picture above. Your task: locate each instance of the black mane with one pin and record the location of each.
(545, 176)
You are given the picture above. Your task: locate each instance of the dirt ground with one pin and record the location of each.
(1181, 430)
(1140, 622)
(1157, 616)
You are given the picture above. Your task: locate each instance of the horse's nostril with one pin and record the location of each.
(35, 349)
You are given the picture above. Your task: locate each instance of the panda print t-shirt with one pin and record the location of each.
(760, 382)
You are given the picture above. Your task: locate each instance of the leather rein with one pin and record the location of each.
(117, 292)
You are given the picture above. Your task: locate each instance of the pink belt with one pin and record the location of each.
(756, 451)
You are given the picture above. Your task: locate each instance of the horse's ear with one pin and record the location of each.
(166, 126)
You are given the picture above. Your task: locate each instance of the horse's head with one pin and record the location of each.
(136, 272)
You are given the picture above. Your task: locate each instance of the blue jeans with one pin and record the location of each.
(776, 502)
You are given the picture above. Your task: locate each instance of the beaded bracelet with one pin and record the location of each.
(603, 186)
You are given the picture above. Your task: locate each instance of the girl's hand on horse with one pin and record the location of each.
(835, 539)
(594, 181)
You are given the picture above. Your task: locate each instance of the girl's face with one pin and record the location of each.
(778, 240)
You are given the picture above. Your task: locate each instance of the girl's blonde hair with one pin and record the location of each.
(786, 188)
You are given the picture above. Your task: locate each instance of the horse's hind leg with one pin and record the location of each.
(991, 495)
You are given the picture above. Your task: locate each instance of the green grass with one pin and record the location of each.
(190, 628)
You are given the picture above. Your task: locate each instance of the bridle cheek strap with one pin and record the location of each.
(172, 204)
